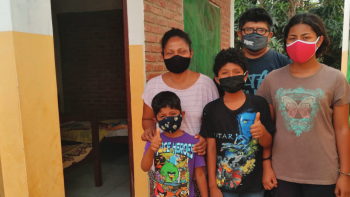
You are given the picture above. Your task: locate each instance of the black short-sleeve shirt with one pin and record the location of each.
(239, 156)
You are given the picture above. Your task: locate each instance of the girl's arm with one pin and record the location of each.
(148, 125)
(342, 134)
(211, 165)
(201, 181)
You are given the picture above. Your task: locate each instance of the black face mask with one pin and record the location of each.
(177, 64)
(232, 84)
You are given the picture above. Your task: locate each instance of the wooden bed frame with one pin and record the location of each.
(95, 152)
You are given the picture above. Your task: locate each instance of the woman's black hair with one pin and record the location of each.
(317, 25)
(255, 15)
(165, 99)
(174, 32)
(230, 55)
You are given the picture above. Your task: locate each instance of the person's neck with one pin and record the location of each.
(179, 78)
(306, 69)
(234, 100)
(176, 134)
(254, 55)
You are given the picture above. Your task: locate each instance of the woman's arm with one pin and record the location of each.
(342, 134)
(201, 181)
(211, 165)
(148, 124)
(201, 147)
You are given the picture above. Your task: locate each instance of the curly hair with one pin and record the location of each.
(230, 55)
(174, 32)
(256, 15)
(317, 25)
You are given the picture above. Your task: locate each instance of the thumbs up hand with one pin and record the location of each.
(156, 141)
(257, 129)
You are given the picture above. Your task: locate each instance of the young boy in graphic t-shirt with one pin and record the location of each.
(171, 152)
(237, 127)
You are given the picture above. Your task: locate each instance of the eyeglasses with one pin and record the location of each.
(260, 31)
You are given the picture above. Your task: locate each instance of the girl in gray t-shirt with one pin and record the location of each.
(310, 104)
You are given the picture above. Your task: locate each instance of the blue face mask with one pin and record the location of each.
(170, 124)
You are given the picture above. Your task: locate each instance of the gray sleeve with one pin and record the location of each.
(341, 91)
(265, 89)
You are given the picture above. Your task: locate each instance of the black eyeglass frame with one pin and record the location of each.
(255, 30)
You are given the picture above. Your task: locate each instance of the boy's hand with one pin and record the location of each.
(257, 129)
(156, 141)
(148, 134)
(201, 146)
(215, 192)
(269, 178)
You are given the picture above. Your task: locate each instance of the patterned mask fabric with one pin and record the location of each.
(171, 123)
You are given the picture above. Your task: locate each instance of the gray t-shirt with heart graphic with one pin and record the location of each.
(304, 146)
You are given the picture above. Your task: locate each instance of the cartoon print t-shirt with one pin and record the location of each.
(304, 148)
(239, 156)
(174, 165)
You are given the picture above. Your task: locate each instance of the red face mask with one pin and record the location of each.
(300, 51)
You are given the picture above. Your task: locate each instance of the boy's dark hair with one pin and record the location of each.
(255, 15)
(317, 25)
(174, 32)
(165, 99)
(230, 55)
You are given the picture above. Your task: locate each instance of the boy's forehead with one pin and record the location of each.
(167, 109)
(255, 25)
(231, 66)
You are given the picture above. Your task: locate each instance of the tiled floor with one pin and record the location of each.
(115, 175)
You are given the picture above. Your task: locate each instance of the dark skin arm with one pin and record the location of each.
(211, 165)
(201, 181)
(259, 131)
(149, 127)
(148, 124)
(147, 159)
(342, 134)
(269, 178)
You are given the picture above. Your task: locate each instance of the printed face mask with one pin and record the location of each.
(232, 84)
(254, 42)
(300, 51)
(177, 64)
(171, 123)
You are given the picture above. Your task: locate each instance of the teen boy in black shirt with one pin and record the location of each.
(237, 127)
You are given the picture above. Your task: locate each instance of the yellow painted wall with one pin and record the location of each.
(136, 87)
(11, 135)
(30, 148)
